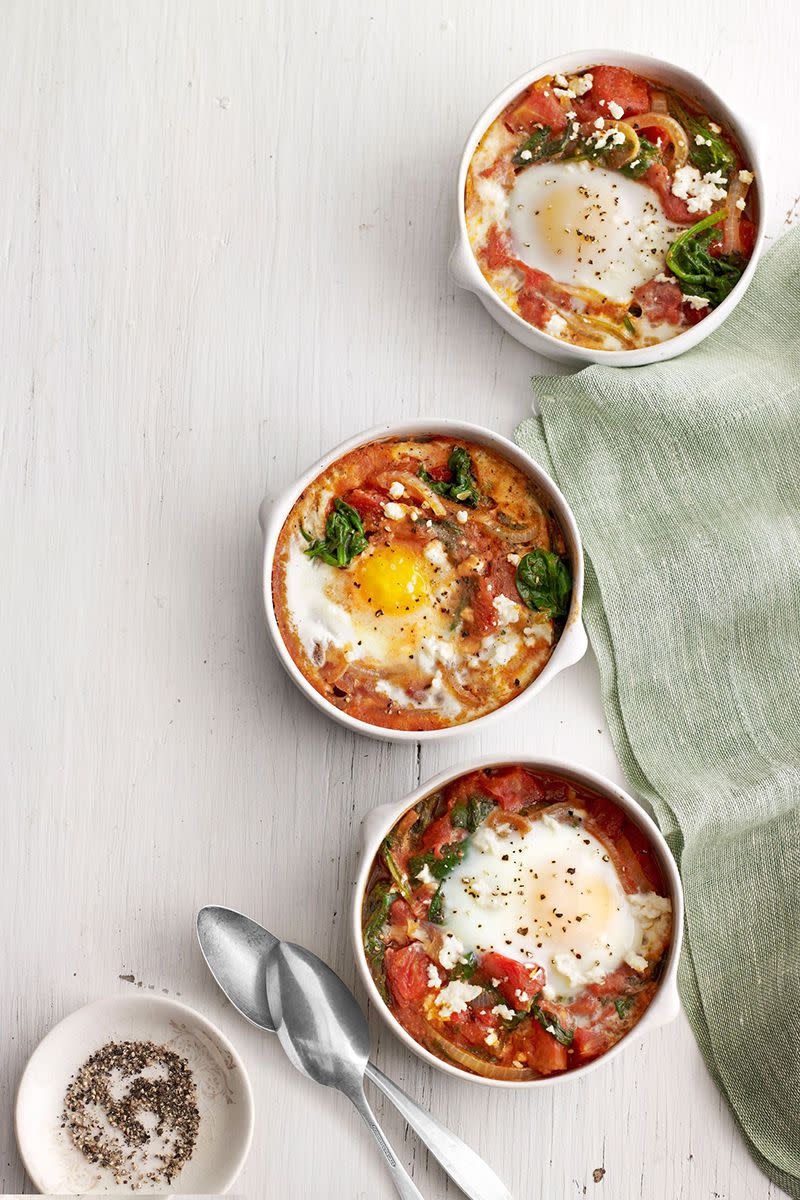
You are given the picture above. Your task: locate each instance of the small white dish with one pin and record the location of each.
(571, 645)
(665, 1005)
(463, 265)
(224, 1096)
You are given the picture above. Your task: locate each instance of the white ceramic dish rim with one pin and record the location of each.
(464, 268)
(665, 1005)
(570, 647)
(166, 1002)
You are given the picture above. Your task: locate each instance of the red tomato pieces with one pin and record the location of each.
(440, 833)
(616, 84)
(498, 249)
(543, 1052)
(473, 1024)
(407, 972)
(538, 107)
(514, 788)
(660, 301)
(518, 984)
(674, 208)
(484, 613)
(588, 1041)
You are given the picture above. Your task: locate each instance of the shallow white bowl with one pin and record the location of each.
(570, 647)
(225, 1099)
(464, 268)
(665, 1005)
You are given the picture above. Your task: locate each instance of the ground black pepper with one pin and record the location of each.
(132, 1108)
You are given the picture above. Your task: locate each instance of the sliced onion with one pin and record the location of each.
(660, 104)
(479, 1066)
(620, 155)
(674, 131)
(731, 242)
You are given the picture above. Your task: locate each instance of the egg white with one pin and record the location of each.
(549, 896)
(589, 227)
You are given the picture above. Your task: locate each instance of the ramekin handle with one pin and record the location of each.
(665, 1006)
(577, 643)
(461, 265)
(376, 822)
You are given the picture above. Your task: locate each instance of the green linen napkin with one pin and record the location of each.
(684, 478)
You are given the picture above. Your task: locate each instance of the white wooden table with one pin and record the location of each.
(224, 231)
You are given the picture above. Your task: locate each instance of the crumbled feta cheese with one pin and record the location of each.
(714, 128)
(526, 154)
(506, 609)
(436, 553)
(434, 978)
(699, 140)
(498, 651)
(599, 123)
(564, 91)
(491, 1038)
(654, 918)
(433, 650)
(661, 278)
(571, 115)
(636, 961)
(396, 490)
(424, 875)
(505, 1013)
(523, 997)
(616, 110)
(561, 80)
(699, 191)
(538, 627)
(696, 302)
(746, 177)
(555, 325)
(575, 972)
(741, 204)
(602, 103)
(487, 841)
(394, 512)
(514, 559)
(462, 516)
(456, 996)
(451, 951)
(583, 84)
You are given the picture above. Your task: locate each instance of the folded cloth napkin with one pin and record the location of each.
(684, 478)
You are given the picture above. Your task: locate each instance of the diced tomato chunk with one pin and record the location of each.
(514, 788)
(366, 502)
(674, 208)
(619, 84)
(440, 833)
(498, 249)
(518, 984)
(440, 474)
(400, 912)
(543, 1052)
(407, 972)
(660, 301)
(747, 236)
(473, 1024)
(538, 107)
(484, 613)
(588, 1042)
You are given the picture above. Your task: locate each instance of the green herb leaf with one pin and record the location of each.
(426, 810)
(542, 144)
(551, 1025)
(544, 583)
(436, 908)
(648, 154)
(628, 323)
(344, 537)
(698, 272)
(623, 1006)
(462, 488)
(713, 153)
(465, 970)
(470, 813)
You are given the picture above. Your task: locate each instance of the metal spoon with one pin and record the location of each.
(326, 1037)
(235, 949)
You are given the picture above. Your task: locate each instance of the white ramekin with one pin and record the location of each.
(464, 268)
(570, 647)
(665, 1005)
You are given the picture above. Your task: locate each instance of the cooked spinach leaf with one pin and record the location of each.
(394, 870)
(713, 153)
(378, 904)
(647, 155)
(698, 272)
(470, 813)
(466, 967)
(542, 143)
(544, 582)
(344, 537)
(550, 1024)
(436, 907)
(426, 811)
(462, 487)
(623, 1006)
(440, 865)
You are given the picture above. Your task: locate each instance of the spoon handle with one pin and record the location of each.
(466, 1168)
(403, 1183)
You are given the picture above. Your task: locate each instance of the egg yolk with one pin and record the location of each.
(392, 578)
